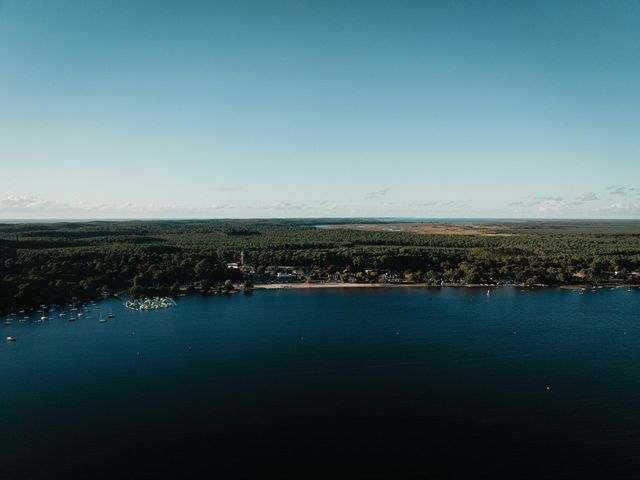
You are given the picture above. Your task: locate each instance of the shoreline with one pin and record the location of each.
(328, 285)
(339, 285)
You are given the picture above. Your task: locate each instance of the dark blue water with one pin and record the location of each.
(383, 383)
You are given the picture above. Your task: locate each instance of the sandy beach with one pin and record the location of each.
(294, 286)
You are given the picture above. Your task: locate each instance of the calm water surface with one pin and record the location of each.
(364, 383)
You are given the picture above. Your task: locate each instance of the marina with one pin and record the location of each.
(148, 303)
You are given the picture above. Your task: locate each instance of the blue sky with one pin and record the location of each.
(119, 109)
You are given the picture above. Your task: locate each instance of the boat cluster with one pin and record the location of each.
(147, 303)
(72, 312)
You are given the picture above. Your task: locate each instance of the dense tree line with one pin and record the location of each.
(47, 263)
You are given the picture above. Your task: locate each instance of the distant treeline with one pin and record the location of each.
(50, 263)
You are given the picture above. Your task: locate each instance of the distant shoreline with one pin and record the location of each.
(298, 286)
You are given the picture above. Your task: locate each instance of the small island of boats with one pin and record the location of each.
(148, 303)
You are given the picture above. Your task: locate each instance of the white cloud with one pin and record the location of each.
(36, 207)
(26, 204)
(549, 206)
(623, 208)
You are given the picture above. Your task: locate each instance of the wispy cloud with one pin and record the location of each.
(36, 207)
(524, 204)
(621, 191)
(376, 194)
(549, 199)
(436, 204)
(587, 197)
(284, 206)
(540, 204)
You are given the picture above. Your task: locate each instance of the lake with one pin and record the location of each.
(375, 383)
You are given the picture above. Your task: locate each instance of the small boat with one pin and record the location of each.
(10, 339)
(111, 314)
(102, 319)
(24, 319)
(7, 321)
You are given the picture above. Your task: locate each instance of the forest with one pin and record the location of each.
(52, 262)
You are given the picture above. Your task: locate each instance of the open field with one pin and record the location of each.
(498, 228)
(433, 228)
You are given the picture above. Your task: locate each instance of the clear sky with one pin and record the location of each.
(319, 108)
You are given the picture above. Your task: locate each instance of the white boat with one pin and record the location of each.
(102, 319)
(10, 339)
